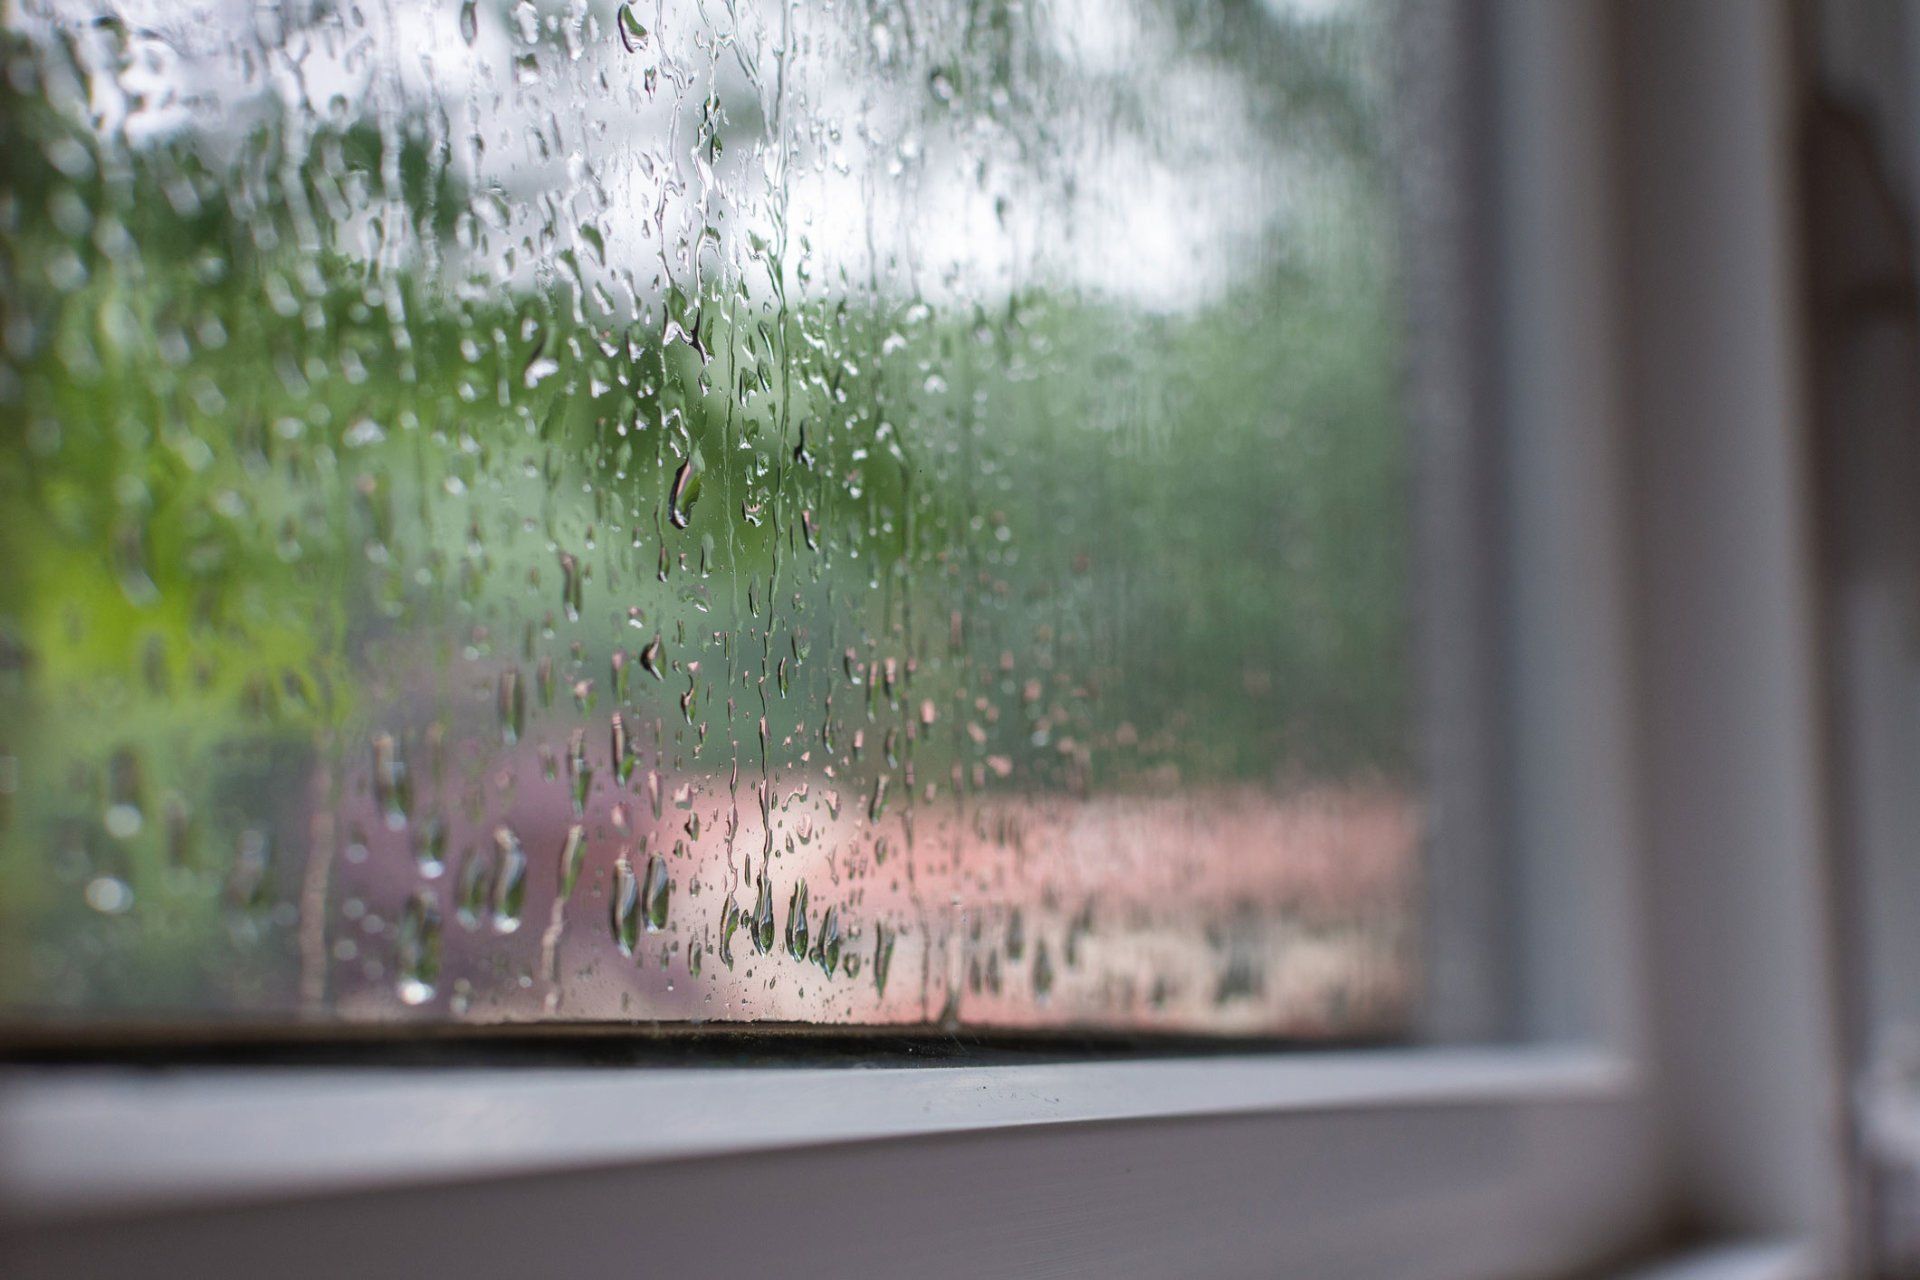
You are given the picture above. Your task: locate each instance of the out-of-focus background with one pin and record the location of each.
(562, 512)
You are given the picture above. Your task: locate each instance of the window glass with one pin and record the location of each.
(1862, 190)
(861, 513)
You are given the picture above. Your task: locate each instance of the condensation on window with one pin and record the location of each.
(865, 513)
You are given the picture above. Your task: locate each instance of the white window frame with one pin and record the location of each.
(1674, 1074)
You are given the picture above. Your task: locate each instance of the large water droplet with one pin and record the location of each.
(1042, 972)
(572, 852)
(509, 881)
(579, 772)
(685, 492)
(392, 788)
(883, 940)
(621, 748)
(632, 35)
(570, 586)
(655, 894)
(729, 923)
(626, 907)
(512, 706)
(826, 952)
(430, 847)
(763, 916)
(474, 890)
(419, 942)
(797, 922)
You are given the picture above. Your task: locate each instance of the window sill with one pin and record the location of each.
(84, 1142)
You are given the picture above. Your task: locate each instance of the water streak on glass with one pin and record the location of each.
(864, 513)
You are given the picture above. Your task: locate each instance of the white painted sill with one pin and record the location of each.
(76, 1142)
(1746, 1260)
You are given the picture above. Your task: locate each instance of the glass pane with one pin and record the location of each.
(1862, 190)
(862, 514)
